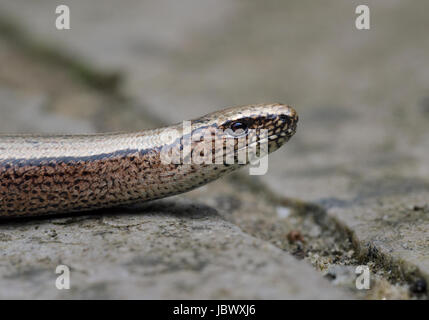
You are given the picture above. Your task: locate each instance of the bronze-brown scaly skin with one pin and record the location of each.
(57, 174)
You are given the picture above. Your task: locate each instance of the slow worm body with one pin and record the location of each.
(56, 174)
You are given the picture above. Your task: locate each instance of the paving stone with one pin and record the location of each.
(168, 249)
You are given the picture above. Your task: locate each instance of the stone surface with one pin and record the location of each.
(24, 113)
(168, 249)
(362, 147)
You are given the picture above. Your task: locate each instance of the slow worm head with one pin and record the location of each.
(68, 173)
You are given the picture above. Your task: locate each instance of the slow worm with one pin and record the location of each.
(67, 173)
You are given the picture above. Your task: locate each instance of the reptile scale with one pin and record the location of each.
(51, 174)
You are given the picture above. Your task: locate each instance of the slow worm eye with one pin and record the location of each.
(237, 129)
(238, 126)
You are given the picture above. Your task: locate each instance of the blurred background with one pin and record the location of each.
(361, 151)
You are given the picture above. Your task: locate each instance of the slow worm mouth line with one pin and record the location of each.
(252, 145)
(67, 178)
